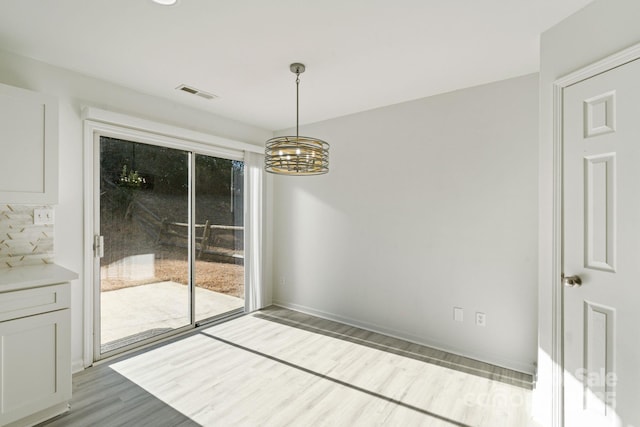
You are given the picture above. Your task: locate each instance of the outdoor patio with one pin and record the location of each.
(139, 312)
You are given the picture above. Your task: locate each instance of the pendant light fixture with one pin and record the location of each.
(297, 155)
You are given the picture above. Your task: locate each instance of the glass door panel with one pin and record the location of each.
(219, 235)
(144, 220)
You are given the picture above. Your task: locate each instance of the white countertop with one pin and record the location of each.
(34, 276)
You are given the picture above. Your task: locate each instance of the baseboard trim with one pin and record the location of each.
(372, 327)
(77, 366)
(41, 416)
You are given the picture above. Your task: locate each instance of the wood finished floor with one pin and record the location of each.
(278, 367)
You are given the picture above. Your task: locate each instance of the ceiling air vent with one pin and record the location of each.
(198, 92)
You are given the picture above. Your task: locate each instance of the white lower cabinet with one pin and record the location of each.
(35, 354)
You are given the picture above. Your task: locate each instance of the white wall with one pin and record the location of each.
(429, 204)
(73, 91)
(602, 28)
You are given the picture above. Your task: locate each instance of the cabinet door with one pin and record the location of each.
(35, 363)
(29, 147)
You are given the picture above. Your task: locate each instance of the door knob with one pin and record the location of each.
(571, 281)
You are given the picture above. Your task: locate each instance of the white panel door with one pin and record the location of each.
(601, 245)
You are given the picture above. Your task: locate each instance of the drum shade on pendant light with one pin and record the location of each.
(296, 155)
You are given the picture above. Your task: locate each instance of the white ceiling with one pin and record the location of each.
(360, 54)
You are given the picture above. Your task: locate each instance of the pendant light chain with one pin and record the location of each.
(297, 102)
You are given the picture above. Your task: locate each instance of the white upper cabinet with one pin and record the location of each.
(28, 147)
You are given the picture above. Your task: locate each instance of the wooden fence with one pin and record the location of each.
(211, 239)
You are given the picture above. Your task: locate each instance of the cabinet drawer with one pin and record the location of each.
(28, 302)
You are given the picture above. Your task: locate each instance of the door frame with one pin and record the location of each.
(106, 123)
(557, 295)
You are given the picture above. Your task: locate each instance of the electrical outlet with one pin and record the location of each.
(43, 216)
(458, 314)
(481, 319)
(283, 280)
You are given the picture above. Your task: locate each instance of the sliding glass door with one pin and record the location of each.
(219, 258)
(171, 234)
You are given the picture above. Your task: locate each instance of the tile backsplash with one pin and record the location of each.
(21, 241)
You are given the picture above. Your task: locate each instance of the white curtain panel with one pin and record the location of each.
(254, 231)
